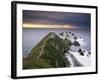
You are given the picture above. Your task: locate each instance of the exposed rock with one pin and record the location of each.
(76, 43)
(89, 53)
(67, 35)
(81, 53)
(66, 32)
(80, 50)
(75, 37)
(72, 34)
(83, 50)
(61, 34)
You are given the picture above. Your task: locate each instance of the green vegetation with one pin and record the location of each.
(49, 53)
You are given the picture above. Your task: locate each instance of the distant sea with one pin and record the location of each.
(31, 37)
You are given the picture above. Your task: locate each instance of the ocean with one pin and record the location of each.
(31, 37)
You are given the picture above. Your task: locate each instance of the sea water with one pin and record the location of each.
(31, 37)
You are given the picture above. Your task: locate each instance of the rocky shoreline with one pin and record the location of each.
(76, 56)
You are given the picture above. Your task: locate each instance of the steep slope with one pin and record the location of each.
(48, 53)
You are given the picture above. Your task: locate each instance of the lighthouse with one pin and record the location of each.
(52, 34)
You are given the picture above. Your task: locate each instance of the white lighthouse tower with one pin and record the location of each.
(52, 34)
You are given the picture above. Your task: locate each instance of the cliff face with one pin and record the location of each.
(48, 53)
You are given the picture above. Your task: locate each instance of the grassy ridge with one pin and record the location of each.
(52, 55)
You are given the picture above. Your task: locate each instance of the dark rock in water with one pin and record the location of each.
(81, 53)
(72, 34)
(67, 35)
(61, 34)
(75, 37)
(80, 50)
(89, 53)
(83, 50)
(66, 32)
(76, 43)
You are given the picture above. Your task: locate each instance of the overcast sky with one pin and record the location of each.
(79, 20)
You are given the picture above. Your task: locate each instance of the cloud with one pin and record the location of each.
(59, 18)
